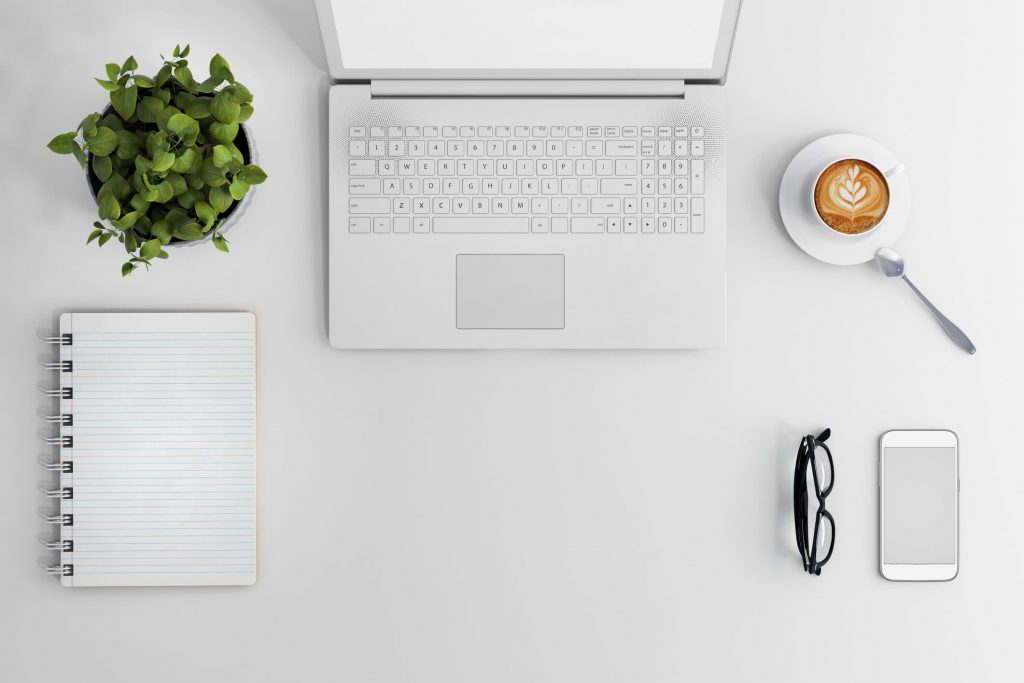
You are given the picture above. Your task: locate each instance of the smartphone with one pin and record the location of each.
(919, 505)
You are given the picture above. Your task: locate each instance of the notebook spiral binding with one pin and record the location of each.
(63, 464)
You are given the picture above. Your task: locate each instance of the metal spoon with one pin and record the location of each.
(891, 264)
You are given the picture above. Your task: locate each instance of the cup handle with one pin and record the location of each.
(898, 168)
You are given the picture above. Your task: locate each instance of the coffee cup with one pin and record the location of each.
(851, 196)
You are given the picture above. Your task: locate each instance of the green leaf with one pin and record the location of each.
(105, 237)
(103, 142)
(127, 269)
(113, 72)
(144, 81)
(108, 85)
(102, 167)
(124, 101)
(94, 234)
(162, 75)
(150, 249)
(220, 242)
(88, 124)
(211, 175)
(184, 162)
(239, 93)
(223, 132)
(219, 69)
(199, 107)
(178, 183)
(164, 192)
(162, 231)
(183, 126)
(225, 109)
(62, 143)
(109, 207)
(117, 186)
(190, 232)
(205, 213)
(245, 112)
(79, 153)
(130, 242)
(184, 53)
(238, 188)
(129, 65)
(209, 85)
(184, 76)
(127, 221)
(162, 161)
(221, 156)
(149, 108)
(177, 51)
(111, 121)
(128, 145)
(252, 174)
(221, 199)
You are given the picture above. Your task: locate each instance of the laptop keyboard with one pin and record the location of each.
(526, 180)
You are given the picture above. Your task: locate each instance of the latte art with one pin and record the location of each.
(851, 196)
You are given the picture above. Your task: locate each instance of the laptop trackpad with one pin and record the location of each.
(510, 291)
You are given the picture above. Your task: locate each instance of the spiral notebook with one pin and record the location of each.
(157, 449)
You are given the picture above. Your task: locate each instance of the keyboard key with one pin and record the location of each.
(558, 131)
(357, 148)
(430, 131)
(394, 132)
(697, 215)
(664, 132)
(647, 131)
(697, 132)
(377, 148)
(575, 131)
(421, 224)
(412, 131)
(357, 132)
(594, 131)
(618, 186)
(467, 131)
(485, 131)
(396, 148)
(364, 186)
(606, 205)
(682, 224)
(359, 224)
(560, 225)
(629, 131)
(697, 177)
(647, 224)
(588, 225)
(539, 224)
(681, 148)
(449, 131)
(681, 131)
(621, 148)
(481, 224)
(664, 224)
(611, 131)
(377, 132)
(625, 167)
(629, 224)
(697, 148)
(539, 131)
(614, 224)
(401, 225)
(522, 131)
(368, 205)
(503, 131)
(382, 225)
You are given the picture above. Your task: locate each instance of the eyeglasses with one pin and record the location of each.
(814, 471)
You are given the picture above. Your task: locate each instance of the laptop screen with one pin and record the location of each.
(527, 34)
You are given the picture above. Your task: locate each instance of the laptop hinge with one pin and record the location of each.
(526, 88)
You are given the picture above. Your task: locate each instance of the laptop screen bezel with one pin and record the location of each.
(716, 73)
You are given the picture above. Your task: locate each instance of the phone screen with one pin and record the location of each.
(920, 489)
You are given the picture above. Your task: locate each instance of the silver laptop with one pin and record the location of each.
(540, 174)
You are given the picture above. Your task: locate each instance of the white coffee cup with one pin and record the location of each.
(886, 176)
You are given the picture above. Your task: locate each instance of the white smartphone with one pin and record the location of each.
(919, 505)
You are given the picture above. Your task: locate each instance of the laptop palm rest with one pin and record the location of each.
(510, 291)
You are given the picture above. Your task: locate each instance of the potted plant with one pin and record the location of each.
(169, 161)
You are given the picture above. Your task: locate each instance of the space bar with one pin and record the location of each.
(484, 224)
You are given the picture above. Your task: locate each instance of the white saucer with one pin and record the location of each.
(797, 209)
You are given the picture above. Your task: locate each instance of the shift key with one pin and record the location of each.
(369, 205)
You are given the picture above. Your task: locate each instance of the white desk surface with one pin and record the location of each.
(554, 516)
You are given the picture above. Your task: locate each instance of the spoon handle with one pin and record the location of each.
(954, 332)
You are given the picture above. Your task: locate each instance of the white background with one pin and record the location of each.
(553, 516)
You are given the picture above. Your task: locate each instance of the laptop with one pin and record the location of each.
(541, 174)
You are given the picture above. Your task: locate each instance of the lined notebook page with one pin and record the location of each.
(164, 448)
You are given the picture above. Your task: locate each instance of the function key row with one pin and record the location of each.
(525, 131)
